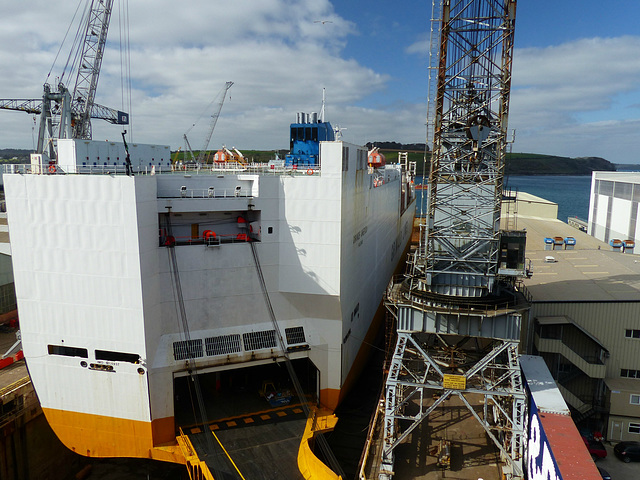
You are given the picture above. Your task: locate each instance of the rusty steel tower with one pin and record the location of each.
(457, 310)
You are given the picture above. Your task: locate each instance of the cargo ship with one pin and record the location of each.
(135, 274)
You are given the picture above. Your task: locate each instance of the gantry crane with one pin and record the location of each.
(212, 125)
(65, 113)
(458, 311)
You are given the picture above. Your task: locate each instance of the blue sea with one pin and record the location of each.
(571, 193)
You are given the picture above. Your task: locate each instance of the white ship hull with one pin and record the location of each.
(101, 328)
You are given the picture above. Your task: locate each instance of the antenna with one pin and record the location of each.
(322, 109)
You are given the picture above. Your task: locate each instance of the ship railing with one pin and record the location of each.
(521, 287)
(261, 168)
(367, 459)
(207, 169)
(210, 192)
(294, 171)
(401, 297)
(209, 241)
(29, 169)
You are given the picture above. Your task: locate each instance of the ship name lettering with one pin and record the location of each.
(395, 246)
(541, 464)
(359, 235)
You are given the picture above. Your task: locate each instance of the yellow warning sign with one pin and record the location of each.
(454, 382)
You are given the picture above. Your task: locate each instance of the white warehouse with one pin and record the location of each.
(613, 209)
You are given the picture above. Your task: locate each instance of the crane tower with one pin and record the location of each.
(458, 311)
(67, 113)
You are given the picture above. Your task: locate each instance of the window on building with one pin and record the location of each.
(622, 190)
(629, 373)
(629, 333)
(606, 188)
(634, 399)
(345, 159)
(634, 427)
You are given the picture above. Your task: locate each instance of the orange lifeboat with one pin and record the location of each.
(221, 157)
(375, 159)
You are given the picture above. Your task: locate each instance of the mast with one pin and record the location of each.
(68, 115)
(95, 39)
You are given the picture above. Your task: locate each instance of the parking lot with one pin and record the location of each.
(617, 468)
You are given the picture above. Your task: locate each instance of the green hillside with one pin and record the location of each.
(531, 164)
(536, 164)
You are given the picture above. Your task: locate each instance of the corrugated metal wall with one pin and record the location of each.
(607, 322)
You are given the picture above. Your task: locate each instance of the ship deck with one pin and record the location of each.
(259, 448)
(239, 426)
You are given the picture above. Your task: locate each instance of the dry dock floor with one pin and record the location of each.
(15, 371)
(473, 454)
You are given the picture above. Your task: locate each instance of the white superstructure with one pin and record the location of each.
(99, 316)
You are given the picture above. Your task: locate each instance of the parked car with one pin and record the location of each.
(604, 474)
(627, 451)
(596, 448)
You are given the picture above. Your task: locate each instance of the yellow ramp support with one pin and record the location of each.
(198, 470)
(309, 465)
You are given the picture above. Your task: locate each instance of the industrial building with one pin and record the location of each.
(585, 311)
(613, 208)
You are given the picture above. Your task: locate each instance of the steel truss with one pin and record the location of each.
(490, 368)
(457, 312)
(460, 243)
(94, 41)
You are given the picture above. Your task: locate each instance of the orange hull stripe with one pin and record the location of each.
(329, 398)
(101, 436)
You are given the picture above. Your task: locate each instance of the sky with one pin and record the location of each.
(575, 88)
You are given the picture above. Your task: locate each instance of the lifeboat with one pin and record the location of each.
(375, 159)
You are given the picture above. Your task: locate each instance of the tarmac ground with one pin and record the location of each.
(616, 467)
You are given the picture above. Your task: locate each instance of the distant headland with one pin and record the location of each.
(516, 163)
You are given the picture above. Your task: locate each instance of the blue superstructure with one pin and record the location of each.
(305, 138)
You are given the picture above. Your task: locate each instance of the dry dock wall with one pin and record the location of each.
(29, 450)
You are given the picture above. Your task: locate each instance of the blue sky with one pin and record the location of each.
(576, 77)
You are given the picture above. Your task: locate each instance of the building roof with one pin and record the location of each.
(618, 385)
(542, 386)
(628, 177)
(589, 272)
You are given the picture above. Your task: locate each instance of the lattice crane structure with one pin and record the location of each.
(458, 311)
(218, 101)
(65, 112)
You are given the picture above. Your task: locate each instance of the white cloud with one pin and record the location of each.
(574, 99)
(570, 99)
(278, 52)
(419, 47)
